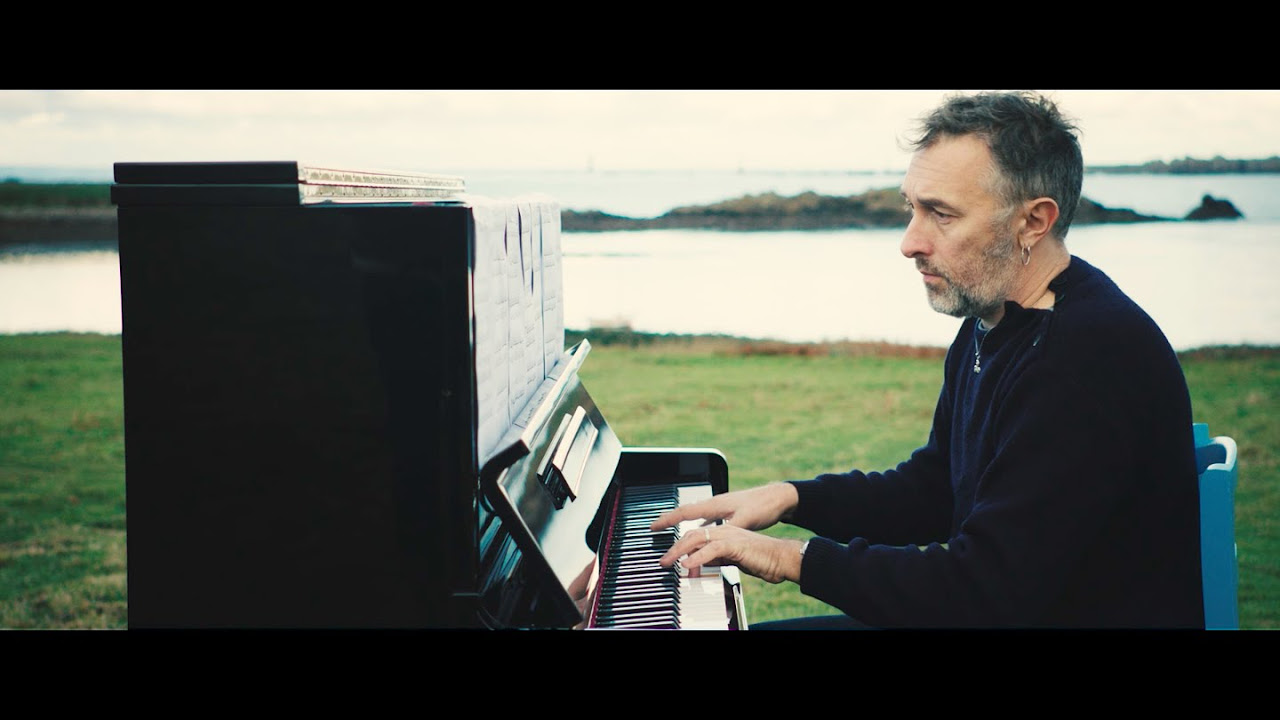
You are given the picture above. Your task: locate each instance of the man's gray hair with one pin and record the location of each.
(1035, 147)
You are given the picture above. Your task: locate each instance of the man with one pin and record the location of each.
(1058, 486)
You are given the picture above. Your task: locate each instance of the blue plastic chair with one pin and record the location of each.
(1216, 463)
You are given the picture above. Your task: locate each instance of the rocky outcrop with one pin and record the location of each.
(806, 211)
(769, 211)
(1092, 213)
(1212, 208)
(810, 211)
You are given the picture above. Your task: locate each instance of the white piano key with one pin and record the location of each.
(638, 591)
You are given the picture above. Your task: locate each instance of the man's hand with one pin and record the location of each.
(770, 559)
(754, 509)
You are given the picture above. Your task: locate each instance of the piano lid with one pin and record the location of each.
(549, 483)
(273, 183)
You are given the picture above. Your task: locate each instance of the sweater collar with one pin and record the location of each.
(1016, 315)
(1076, 270)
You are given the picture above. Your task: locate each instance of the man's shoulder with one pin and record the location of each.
(1092, 313)
(1104, 343)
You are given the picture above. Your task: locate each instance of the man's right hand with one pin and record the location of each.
(754, 509)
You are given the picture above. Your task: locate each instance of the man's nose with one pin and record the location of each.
(914, 240)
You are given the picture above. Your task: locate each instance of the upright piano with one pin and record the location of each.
(349, 404)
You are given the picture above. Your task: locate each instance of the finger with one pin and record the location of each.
(681, 548)
(707, 551)
(670, 518)
(678, 515)
(689, 549)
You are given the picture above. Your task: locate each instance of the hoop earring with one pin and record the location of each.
(1026, 254)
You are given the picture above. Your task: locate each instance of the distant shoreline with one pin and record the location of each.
(874, 209)
(1195, 166)
(1218, 165)
(60, 213)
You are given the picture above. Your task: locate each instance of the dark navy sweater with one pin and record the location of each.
(1058, 487)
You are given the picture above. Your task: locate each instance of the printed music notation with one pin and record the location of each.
(519, 310)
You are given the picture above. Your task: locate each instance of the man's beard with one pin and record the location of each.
(994, 272)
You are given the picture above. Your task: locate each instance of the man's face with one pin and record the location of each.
(958, 236)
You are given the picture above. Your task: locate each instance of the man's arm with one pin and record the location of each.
(909, 504)
(911, 501)
(1039, 502)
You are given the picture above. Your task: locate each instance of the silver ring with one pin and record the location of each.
(706, 533)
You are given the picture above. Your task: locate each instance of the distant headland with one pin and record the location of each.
(874, 209)
(1193, 166)
(40, 213)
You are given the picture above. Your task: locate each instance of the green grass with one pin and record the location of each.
(1238, 394)
(775, 411)
(774, 417)
(60, 195)
(778, 417)
(62, 500)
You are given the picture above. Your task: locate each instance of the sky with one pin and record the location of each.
(457, 131)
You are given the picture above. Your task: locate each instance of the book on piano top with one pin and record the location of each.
(274, 183)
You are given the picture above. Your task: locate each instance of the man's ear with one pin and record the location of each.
(1040, 215)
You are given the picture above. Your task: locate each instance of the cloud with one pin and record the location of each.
(39, 119)
(457, 130)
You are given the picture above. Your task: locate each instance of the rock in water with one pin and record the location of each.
(1212, 208)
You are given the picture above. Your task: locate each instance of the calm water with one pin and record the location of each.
(641, 194)
(1205, 283)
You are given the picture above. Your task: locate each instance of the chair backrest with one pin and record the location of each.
(1216, 463)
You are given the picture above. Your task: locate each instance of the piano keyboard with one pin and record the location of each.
(638, 593)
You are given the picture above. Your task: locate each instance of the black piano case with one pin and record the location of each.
(308, 407)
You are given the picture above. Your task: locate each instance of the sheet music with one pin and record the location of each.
(553, 284)
(488, 282)
(519, 320)
(524, 292)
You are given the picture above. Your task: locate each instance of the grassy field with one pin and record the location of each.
(776, 411)
(62, 504)
(59, 195)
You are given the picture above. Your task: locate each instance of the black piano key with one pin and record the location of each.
(634, 603)
(665, 619)
(612, 615)
(635, 591)
(657, 580)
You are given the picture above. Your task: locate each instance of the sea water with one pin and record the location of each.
(1204, 282)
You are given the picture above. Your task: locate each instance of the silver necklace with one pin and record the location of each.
(977, 351)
